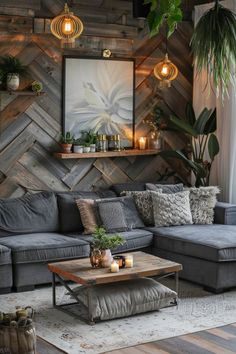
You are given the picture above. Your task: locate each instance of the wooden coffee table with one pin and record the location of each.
(80, 271)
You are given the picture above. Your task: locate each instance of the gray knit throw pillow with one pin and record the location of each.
(202, 204)
(171, 209)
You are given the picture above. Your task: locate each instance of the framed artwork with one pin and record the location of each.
(98, 96)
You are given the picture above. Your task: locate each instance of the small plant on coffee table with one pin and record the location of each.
(101, 247)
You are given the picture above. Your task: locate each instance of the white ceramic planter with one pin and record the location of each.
(78, 149)
(86, 149)
(93, 148)
(13, 82)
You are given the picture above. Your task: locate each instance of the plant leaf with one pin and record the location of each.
(213, 146)
(211, 124)
(189, 112)
(184, 126)
(202, 120)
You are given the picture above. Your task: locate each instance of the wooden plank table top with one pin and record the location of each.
(145, 265)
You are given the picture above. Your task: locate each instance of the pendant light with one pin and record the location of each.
(67, 27)
(165, 70)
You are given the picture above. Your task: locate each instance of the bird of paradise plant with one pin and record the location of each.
(201, 131)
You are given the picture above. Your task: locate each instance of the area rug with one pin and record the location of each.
(197, 310)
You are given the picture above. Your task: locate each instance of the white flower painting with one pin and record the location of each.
(99, 97)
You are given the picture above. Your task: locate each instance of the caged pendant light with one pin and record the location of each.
(165, 70)
(67, 27)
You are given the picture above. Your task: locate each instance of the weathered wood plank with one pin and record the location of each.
(16, 11)
(78, 171)
(112, 172)
(13, 130)
(14, 109)
(16, 149)
(89, 182)
(24, 4)
(17, 24)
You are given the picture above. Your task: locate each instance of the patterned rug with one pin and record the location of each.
(197, 310)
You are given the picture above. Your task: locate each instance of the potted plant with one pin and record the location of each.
(86, 147)
(78, 146)
(201, 131)
(66, 142)
(11, 68)
(213, 45)
(37, 86)
(89, 140)
(102, 244)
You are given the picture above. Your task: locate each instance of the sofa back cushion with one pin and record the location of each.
(70, 219)
(29, 214)
(128, 186)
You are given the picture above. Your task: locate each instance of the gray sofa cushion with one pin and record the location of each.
(211, 242)
(126, 298)
(225, 213)
(119, 214)
(165, 188)
(30, 213)
(135, 239)
(128, 186)
(69, 214)
(5, 255)
(43, 247)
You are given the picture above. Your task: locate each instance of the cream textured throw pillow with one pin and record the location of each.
(171, 209)
(202, 204)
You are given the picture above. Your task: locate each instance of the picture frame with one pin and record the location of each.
(99, 96)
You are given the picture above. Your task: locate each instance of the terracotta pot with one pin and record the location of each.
(66, 148)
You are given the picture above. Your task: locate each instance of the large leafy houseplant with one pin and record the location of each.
(201, 131)
(162, 11)
(214, 46)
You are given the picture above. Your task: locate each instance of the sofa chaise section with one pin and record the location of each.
(207, 252)
(5, 270)
(32, 252)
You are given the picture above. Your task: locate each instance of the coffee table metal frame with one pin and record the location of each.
(56, 278)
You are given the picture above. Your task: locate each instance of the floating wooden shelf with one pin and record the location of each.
(22, 93)
(89, 155)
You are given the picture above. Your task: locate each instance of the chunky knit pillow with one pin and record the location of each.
(171, 209)
(202, 204)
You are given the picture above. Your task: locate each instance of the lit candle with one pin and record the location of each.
(114, 267)
(129, 261)
(142, 143)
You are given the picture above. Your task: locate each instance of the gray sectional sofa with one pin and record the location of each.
(46, 227)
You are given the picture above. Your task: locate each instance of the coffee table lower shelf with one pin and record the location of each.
(56, 278)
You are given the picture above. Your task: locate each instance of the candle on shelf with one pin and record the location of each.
(114, 267)
(142, 143)
(129, 261)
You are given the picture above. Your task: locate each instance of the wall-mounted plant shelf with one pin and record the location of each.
(21, 93)
(123, 153)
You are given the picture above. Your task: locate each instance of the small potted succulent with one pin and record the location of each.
(78, 146)
(89, 141)
(66, 142)
(100, 255)
(86, 147)
(37, 86)
(11, 69)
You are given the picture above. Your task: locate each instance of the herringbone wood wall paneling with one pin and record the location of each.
(30, 126)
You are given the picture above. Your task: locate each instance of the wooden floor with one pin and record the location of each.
(221, 340)
(43, 347)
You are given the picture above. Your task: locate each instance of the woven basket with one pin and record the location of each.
(18, 340)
